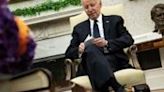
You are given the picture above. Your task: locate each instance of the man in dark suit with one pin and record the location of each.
(104, 54)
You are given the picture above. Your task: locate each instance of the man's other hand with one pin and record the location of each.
(81, 48)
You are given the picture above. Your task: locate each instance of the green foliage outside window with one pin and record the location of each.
(46, 6)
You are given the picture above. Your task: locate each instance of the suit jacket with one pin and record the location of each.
(114, 31)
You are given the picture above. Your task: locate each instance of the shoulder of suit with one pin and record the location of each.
(82, 23)
(113, 16)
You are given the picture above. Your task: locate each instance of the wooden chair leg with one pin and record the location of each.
(129, 89)
(77, 88)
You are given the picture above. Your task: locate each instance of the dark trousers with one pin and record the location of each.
(98, 66)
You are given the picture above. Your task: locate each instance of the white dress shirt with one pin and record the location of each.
(100, 26)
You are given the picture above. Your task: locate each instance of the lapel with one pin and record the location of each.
(106, 26)
(86, 30)
(87, 27)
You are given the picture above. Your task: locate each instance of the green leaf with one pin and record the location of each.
(46, 6)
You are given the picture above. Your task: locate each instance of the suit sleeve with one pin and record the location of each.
(123, 39)
(72, 50)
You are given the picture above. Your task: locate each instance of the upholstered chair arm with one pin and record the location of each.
(68, 68)
(71, 67)
(133, 57)
(34, 80)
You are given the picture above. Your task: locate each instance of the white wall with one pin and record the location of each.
(53, 46)
(137, 14)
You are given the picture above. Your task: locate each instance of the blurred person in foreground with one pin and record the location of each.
(17, 45)
(104, 55)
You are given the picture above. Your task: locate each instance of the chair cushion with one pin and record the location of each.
(82, 81)
(124, 77)
(130, 77)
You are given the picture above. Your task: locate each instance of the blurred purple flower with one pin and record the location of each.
(9, 58)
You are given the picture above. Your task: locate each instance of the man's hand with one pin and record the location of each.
(100, 42)
(81, 48)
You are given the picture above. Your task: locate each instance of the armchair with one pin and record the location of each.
(126, 77)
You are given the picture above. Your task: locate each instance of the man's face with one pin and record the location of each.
(159, 18)
(92, 8)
